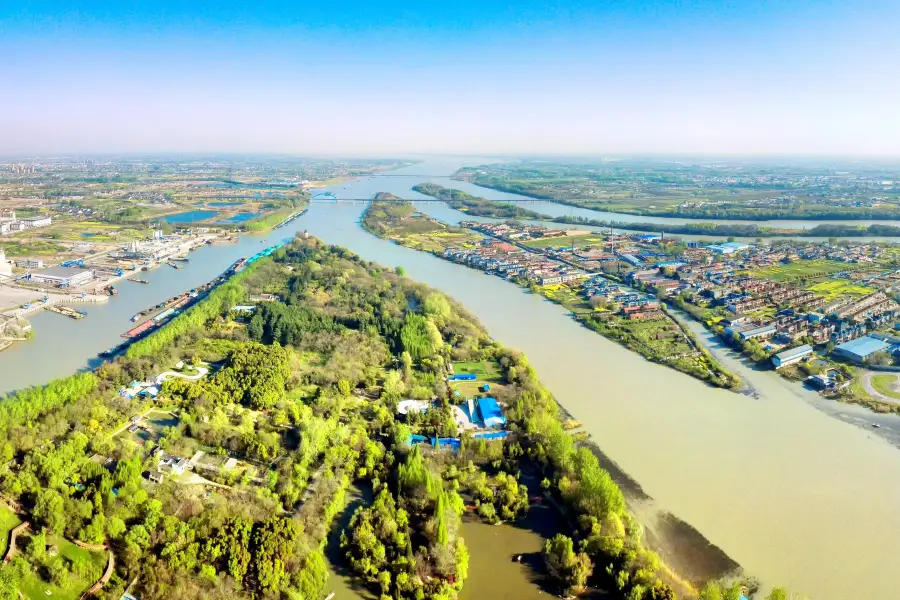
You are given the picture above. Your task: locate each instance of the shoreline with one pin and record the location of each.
(738, 387)
(851, 413)
(676, 215)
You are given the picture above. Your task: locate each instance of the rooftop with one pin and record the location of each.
(61, 271)
(792, 352)
(863, 346)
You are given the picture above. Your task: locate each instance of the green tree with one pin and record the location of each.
(570, 570)
(49, 511)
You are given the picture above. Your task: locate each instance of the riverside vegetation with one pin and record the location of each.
(475, 205)
(304, 399)
(661, 340)
(718, 190)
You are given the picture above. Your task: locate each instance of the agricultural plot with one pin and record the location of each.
(567, 296)
(804, 269)
(834, 288)
(567, 241)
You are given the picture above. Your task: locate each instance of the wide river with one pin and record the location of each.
(795, 496)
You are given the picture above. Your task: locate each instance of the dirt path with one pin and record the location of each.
(201, 372)
(870, 388)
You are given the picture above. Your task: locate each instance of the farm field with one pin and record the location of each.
(579, 241)
(833, 288)
(803, 269)
(567, 296)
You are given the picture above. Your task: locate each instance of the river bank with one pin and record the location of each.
(659, 339)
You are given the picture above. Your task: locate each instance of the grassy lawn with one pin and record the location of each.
(8, 520)
(35, 588)
(486, 371)
(884, 384)
(833, 288)
(803, 269)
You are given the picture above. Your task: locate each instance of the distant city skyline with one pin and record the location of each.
(595, 77)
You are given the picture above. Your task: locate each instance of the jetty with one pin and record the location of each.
(291, 218)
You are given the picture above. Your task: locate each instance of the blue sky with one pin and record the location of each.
(346, 77)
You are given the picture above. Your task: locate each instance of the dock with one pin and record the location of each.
(291, 218)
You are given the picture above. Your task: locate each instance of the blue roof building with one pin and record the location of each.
(791, 356)
(491, 415)
(860, 349)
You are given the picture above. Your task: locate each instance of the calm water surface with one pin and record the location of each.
(793, 495)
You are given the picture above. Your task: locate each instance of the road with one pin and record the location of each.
(201, 373)
(870, 388)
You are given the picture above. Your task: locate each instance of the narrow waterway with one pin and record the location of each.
(793, 495)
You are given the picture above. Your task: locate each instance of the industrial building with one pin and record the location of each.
(860, 349)
(37, 221)
(491, 415)
(30, 263)
(791, 356)
(62, 276)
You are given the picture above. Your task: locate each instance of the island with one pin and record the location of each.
(475, 205)
(213, 459)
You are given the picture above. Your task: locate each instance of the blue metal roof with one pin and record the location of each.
(490, 412)
(792, 352)
(863, 346)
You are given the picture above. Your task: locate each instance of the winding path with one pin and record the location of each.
(870, 388)
(201, 373)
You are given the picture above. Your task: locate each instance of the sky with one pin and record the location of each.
(346, 77)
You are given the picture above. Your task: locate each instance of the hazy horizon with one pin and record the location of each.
(650, 78)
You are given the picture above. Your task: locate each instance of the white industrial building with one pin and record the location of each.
(62, 276)
(5, 266)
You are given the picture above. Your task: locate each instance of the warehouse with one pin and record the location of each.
(62, 276)
(491, 415)
(791, 356)
(860, 349)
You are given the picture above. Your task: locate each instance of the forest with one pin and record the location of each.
(301, 403)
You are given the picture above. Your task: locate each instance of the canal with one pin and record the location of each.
(793, 495)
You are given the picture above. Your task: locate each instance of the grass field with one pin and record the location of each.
(486, 371)
(885, 385)
(832, 288)
(803, 269)
(8, 520)
(35, 588)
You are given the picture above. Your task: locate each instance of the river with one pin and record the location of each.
(793, 495)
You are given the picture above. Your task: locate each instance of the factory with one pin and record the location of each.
(62, 276)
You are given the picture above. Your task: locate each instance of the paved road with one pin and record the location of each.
(870, 389)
